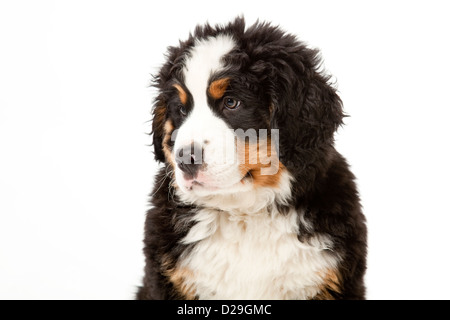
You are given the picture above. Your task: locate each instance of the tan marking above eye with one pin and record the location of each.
(217, 88)
(182, 94)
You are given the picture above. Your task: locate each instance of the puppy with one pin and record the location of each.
(253, 200)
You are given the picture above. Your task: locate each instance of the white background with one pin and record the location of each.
(76, 168)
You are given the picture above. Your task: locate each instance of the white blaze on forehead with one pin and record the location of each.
(202, 126)
(205, 59)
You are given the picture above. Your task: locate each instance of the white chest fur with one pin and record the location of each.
(254, 257)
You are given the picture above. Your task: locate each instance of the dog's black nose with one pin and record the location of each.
(190, 159)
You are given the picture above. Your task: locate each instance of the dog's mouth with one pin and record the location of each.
(208, 184)
(197, 182)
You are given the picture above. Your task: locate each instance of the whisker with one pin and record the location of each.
(171, 194)
(163, 179)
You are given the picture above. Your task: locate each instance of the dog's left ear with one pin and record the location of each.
(320, 111)
(305, 107)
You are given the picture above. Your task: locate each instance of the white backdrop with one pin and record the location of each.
(75, 168)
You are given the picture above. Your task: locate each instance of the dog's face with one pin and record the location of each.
(237, 108)
(211, 111)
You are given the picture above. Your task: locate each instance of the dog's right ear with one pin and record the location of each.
(169, 71)
(159, 119)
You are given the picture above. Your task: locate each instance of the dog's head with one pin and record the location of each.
(237, 108)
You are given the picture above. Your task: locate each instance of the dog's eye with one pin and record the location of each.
(182, 110)
(231, 103)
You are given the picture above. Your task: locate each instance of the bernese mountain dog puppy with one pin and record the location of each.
(253, 201)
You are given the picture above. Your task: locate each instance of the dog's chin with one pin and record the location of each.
(199, 188)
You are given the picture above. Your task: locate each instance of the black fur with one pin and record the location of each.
(278, 71)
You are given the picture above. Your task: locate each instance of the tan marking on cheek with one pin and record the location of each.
(181, 278)
(253, 160)
(217, 88)
(168, 129)
(181, 93)
(331, 283)
(159, 117)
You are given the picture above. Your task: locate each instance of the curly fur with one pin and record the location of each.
(275, 70)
